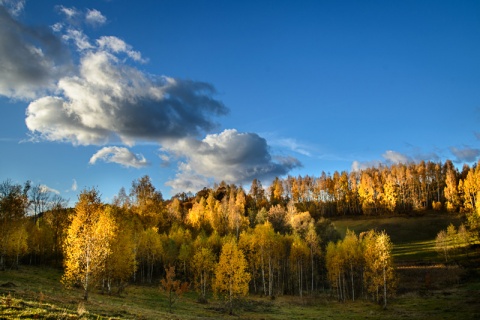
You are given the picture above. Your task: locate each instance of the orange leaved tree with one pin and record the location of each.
(174, 289)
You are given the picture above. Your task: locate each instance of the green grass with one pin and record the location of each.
(38, 295)
(401, 228)
(413, 238)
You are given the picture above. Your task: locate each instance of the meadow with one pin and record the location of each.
(413, 236)
(427, 288)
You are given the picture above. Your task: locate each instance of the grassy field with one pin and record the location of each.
(37, 294)
(413, 237)
(426, 290)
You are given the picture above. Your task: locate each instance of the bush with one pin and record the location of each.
(437, 205)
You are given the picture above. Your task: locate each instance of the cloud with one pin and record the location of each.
(417, 154)
(74, 186)
(429, 156)
(119, 155)
(32, 59)
(116, 45)
(293, 145)
(76, 17)
(111, 100)
(229, 156)
(70, 13)
(95, 18)
(14, 7)
(44, 188)
(465, 154)
(103, 98)
(362, 165)
(165, 159)
(186, 180)
(80, 40)
(395, 157)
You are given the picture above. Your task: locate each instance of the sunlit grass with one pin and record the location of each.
(415, 251)
(31, 298)
(413, 237)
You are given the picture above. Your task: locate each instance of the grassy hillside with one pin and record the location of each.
(413, 237)
(36, 293)
(425, 292)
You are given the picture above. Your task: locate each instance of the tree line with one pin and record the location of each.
(278, 239)
(398, 188)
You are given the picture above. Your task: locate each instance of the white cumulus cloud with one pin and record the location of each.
(229, 156)
(119, 155)
(81, 41)
(70, 13)
(95, 18)
(117, 45)
(109, 100)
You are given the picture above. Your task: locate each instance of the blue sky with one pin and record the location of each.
(99, 93)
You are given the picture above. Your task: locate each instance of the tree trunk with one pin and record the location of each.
(339, 288)
(202, 285)
(230, 298)
(254, 280)
(270, 276)
(87, 279)
(311, 253)
(353, 286)
(384, 288)
(301, 280)
(263, 277)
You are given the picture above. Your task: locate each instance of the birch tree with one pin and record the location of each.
(379, 271)
(87, 244)
(203, 263)
(231, 277)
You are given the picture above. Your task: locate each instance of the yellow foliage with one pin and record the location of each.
(88, 241)
(196, 215)
(121, 263)
(17, 242)
(231, 277)
(379, 272)
(203, 263)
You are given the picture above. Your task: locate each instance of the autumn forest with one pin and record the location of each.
(226, 242)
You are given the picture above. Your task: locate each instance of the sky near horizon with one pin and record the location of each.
(100, 93)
